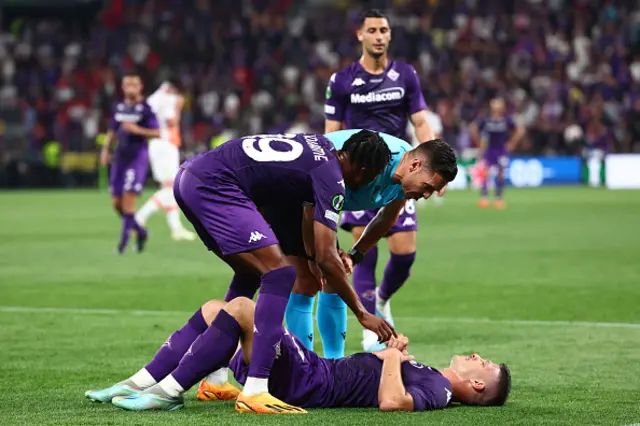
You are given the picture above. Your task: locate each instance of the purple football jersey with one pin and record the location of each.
(496, 132)
(279, 170)
(380, 102)
(357, 380)
(129, 145)
(300, 377)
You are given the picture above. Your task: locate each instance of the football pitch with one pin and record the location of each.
(550, 286)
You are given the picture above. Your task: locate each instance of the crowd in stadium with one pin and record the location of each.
(569, 69)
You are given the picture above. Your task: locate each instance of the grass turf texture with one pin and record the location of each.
(555, 255)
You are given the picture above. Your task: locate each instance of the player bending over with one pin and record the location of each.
(164, 156)
(410, 175)
(382, 94)
(497, 135)
(220, 192)
(389, 379)
(133, 122)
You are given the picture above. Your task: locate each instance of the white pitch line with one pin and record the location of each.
(83, 311)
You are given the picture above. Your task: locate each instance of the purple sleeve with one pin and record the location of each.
(150, 120)
(329, 190)
(414, 92)
(480, 123)
(113, 124)
(424, 399)
(335, 99)
(511, 123)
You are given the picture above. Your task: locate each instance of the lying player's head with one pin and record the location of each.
(374, 33)
(132, 85)
(366, 156)
(480, 381)
(428, 168)
(497, 106)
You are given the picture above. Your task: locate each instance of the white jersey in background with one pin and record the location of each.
(164, 155)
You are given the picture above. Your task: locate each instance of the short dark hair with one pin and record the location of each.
(367, 149)
(440, 157)
(175, 82)
(132, 73)
(504, 387)
(371, 13)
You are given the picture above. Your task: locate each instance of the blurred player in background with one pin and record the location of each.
(379, 94)
(132, 123)
(164, 156)
(497, 135)
(390, 379)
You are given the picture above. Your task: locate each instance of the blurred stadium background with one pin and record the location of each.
(549, 285)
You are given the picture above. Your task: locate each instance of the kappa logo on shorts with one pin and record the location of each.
(409, 222)
(256, 236)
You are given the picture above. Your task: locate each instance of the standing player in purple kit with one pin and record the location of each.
(220, 193)
(497, 136)
(132, 124)
(390, 379)
(379, 94)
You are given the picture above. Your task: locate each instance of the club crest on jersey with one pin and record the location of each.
(139, 107)
(358, 82)
(337, 202)
(393, 75)
(384, 95)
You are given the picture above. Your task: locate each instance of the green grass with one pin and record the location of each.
(501, 283)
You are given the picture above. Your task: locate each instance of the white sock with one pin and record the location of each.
(143, 379)
(173, 219)
(148, 208)
(369, 337)
(171, 386)
(254, 386)
(219, 377)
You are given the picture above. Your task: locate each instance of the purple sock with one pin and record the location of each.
(364, 280)
(275, 289)
(395, 274)
(170, 353)
(127, 225)
(485, 191)
(212, 350)
(243, 285)
(499, 188)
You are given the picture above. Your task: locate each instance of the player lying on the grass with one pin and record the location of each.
(220, 192)
(389, 379)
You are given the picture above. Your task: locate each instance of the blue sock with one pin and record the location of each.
(299, 318)
(332, 324)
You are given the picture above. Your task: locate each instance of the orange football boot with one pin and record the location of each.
(224, 392)
(264, 403)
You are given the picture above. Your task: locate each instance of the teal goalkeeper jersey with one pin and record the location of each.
(382, 190)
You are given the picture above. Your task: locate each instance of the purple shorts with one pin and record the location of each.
(226, 220)
(298, 376)
(129, 175)
(494, 157)
(407, 221)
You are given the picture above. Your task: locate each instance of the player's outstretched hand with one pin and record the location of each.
(379, 326)
(347, 262)
(105, 157)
